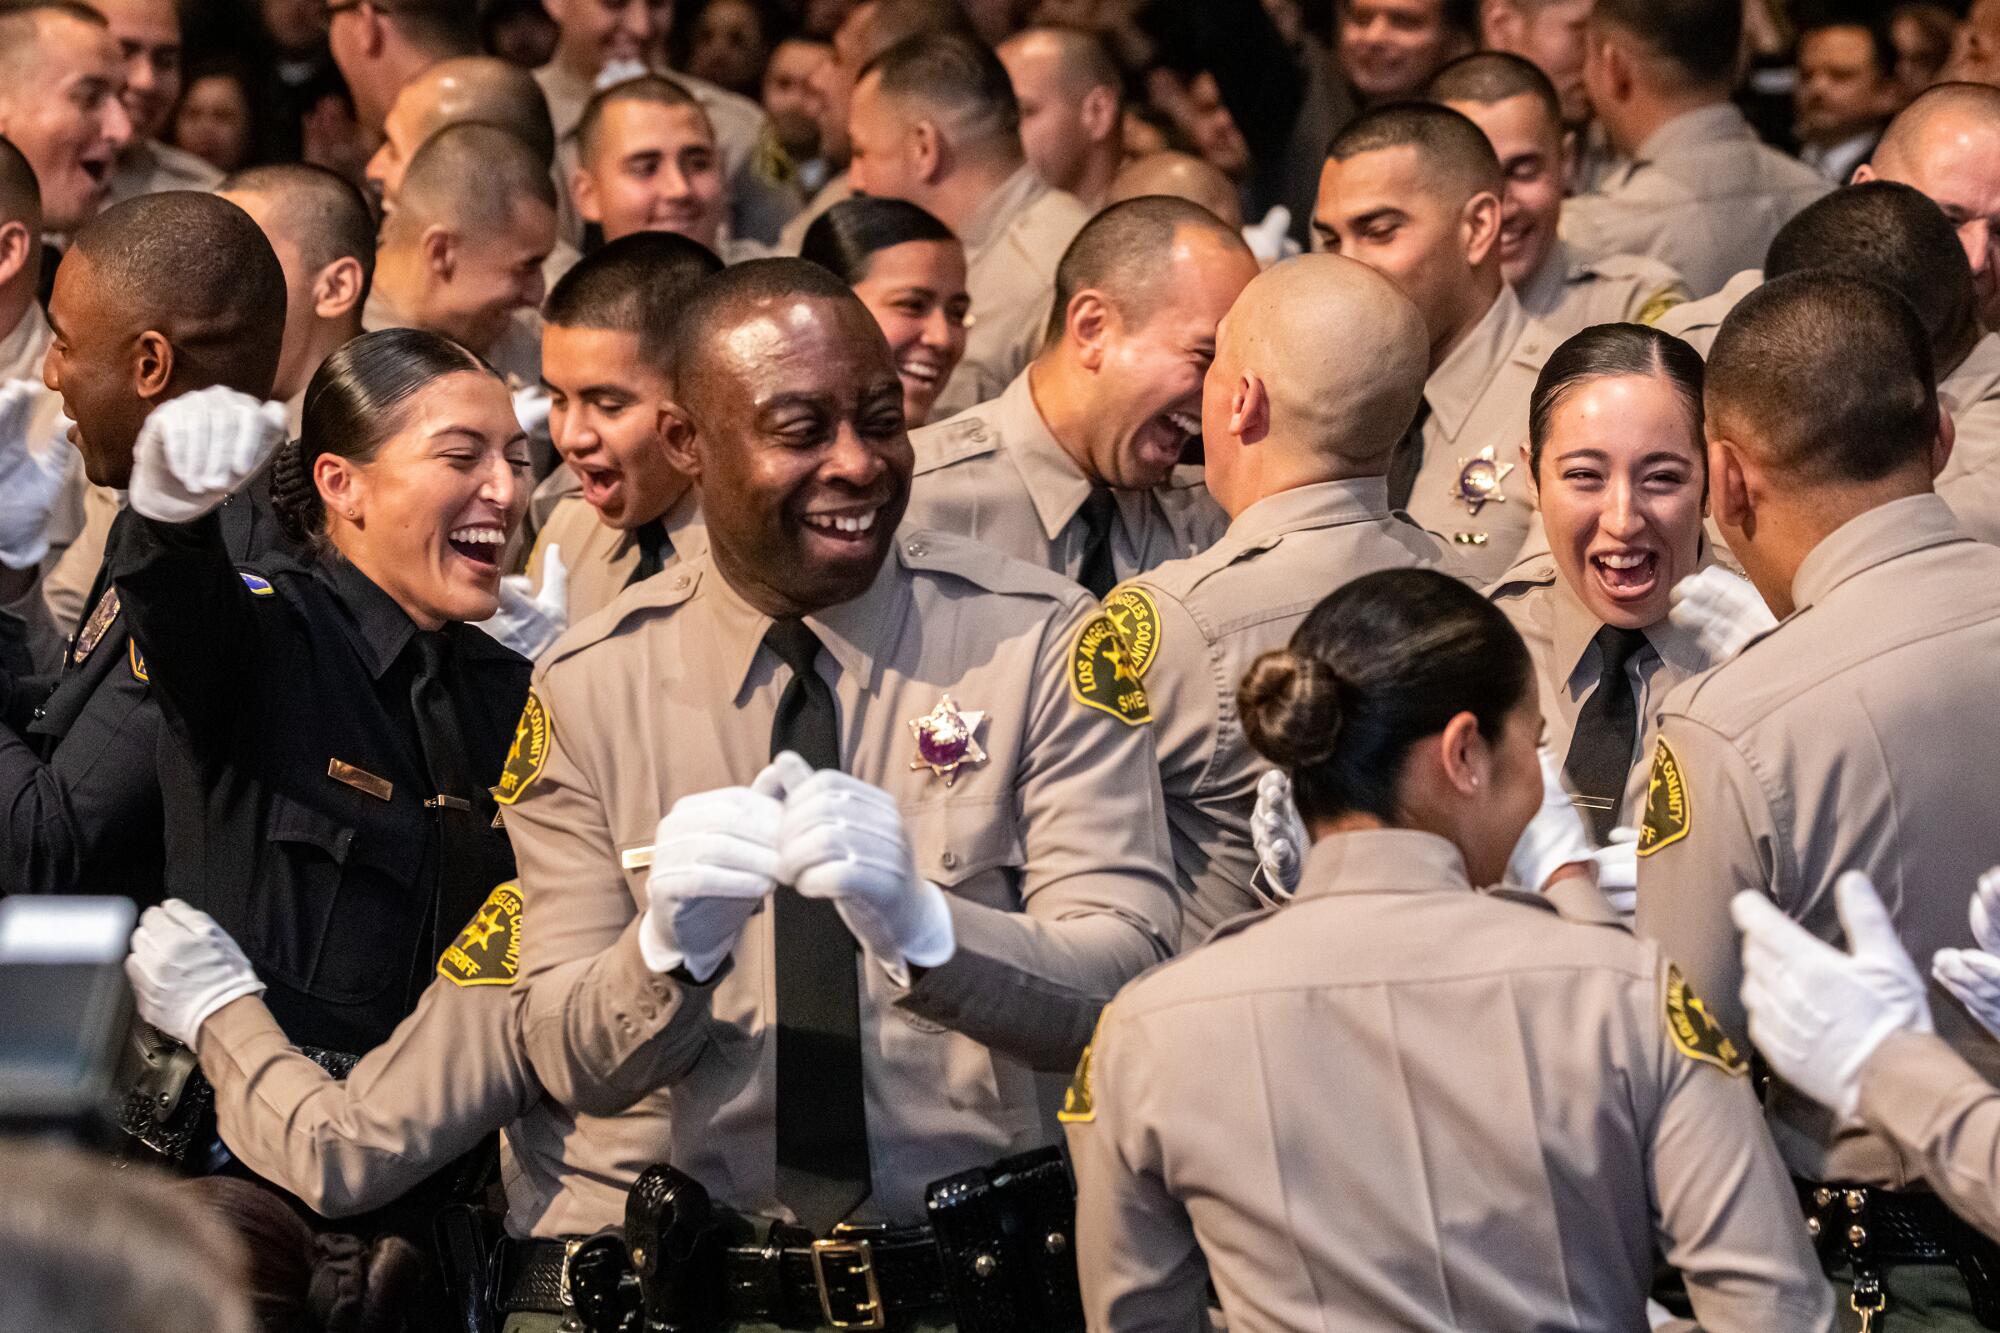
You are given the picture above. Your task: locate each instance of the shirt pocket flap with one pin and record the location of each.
(952, 842)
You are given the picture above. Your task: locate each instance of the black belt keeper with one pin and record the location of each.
(1872, 1230)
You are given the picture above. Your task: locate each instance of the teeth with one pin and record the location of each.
(842, 522)
(1623, 561)
(918, 370)
(479, 536)
(1185, 422)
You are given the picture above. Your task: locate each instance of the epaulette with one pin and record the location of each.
(952, 441)
(1527, 576)
(936, 552)
(649, 597)
(1522, 898)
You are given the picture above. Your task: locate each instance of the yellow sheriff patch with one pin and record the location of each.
(1659, 303)
(1102, 674)
(532, 738)
(1668, 814)
(488, 951)
(138, 663)
(1079, 1106)
(1137, 619)
(1694, 1032)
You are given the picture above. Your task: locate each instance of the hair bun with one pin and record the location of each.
(1291, 708)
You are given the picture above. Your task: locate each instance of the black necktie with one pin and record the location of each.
(1408, 458)
(822, 1123)
(1607, 729)
(1097, 573)
(451, 792)
(654, 548)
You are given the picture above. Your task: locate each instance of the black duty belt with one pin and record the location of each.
(1871, 1230)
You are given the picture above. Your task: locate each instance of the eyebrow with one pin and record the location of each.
(466, 431)
(1376, 215)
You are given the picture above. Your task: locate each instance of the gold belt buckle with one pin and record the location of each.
(852, 1264)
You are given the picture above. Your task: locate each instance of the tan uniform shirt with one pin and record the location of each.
(1703, 196)
(1012, 246)
(1558, 629)
(1052, 852)
(995, 474)
(601, 559)
(148, 166)
(1697, 322)
(1849, 738)
(1569, 293)
(1970, 482)
(517, 355)
(1194, 627)
(793, 237)
(1943, 1116)
(1398, 1103)
(1478, 421)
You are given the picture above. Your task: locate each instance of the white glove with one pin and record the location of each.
(1816, 1013)
(30, 483)
(532, 406)
(1722, 611)
(183, 967)
(1268, 239)
(1279, 837)
(527, 621)
(715, 858)
(617, 72)
(1554, 838)
(1973, 975)
(196, 449)
(1618, 870)
(843, 839)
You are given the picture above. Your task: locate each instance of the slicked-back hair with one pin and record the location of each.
(1606, 350)
(1123, 252)
(1486, 77)
(846, 237)
(445, 28)
(955, 73)
(199, 270)
(1827, 377)
(1898, 237)
(20, 194)
(726, 295)
(319, 210)
(1698, 37)
(1454, 150)
(636, 284)
(657, 89)
(471, 176)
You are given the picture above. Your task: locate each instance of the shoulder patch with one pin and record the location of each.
(1668, 814)
(1695, 1034)
(256, 583)
(1133, 613)
(1659, 303)
(1102, 676)
(1079, 1103)
(94, 628)
(488, 951)
(138, 662)
(532, 737)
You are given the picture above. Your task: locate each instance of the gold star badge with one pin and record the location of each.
(1479, 479)
(947, 740)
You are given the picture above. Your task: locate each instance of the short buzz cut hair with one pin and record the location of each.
(729, 293)
(20, 193)
(1084, 60)
(1123, 252)
(957, 74)
(1827, 376)
(636, 284)
(1454, 148)
(471, 175)
(1697, 37)
(1486, 77)
(657, 89)
(319, 210)
(19, 20)
(444, 28)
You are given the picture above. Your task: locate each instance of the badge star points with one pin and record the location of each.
(947, 739)
(1479, 479)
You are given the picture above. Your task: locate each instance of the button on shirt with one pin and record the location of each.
(1842, 740)
(1703, 195)
(995, 474)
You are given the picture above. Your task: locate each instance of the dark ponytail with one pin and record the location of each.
(1377, 666)
(357, 399)
(1604, 350)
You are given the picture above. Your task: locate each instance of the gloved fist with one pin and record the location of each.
(1816, 1013)
(532, 406)
(1269, 240)
(843, 839)
(30, 482)
(1554, 838)
(1618, 870)
(1973, 975)
(715, 858)
(196, 449)
(528, 621)
(1722, 611)
(1279, 837)
(183, 967)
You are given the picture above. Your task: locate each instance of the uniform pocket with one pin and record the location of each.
(336, 899)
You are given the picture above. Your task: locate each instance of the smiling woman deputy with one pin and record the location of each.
(337, 722)
(909, 270)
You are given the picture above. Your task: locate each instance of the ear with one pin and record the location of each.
(1947, 437)
(341, 486)
(374, 34)
(1463, 754)
(1863, 173)
(18, 249)
(928, 150)
(583, 192)
(1729, 485)
(1250, 408)
(337, 289)
(439, 247)
(152, 365)
(1528, 471)
(1099, 114)
(1481, 226)
(1088, 322)
(678, 437)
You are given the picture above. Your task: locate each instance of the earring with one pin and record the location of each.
(353, 514)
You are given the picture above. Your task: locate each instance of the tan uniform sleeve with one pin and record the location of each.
(1725, 841)
(1935, 1107)
(591, 1008)
(1098, 904)
(450, 1074)
(1137, 1258)
(1728, 1217)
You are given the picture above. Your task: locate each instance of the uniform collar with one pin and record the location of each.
(1974, 381)
(1055, 483)
(378, 627)
(1574, 625)
(1899, 528)
(1383, 861)
(1693, 129)
(858, 633)
(680, 514)
(1013, 197)
(1543, 289)
(1320, 505)
(25, 347)
(1455, 387)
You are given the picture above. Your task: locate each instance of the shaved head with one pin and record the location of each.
(1947, 144)
(1125, 252)
(319, 211)
(1183, 176)
(22, 24)
(1078, 59)
(482, 88)
(20, 199)
(470, 177)
(738, 293)
(1938, 114)
(1456, 156)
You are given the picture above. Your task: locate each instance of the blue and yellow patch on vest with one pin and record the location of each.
(256, 583)
(488, 951)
